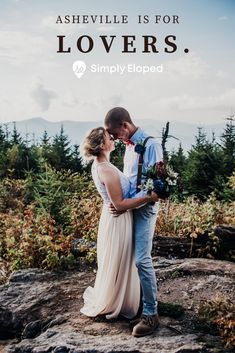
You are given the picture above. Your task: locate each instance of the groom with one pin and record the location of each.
(119, 123)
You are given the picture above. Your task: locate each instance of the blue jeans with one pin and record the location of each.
(144, 225)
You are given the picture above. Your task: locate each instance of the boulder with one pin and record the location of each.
(40, 311)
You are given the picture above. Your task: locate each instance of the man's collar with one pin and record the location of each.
(137, 135)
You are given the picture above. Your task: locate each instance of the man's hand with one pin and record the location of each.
(114, 212)
(154, 197)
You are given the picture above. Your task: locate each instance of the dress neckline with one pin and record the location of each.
(102, 162)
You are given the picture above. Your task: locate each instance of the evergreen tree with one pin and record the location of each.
(59, 154)
(178, 160)
(7, 133)
(228, 147)
(45, 139)
(3, 149)
(61, 151)
(15, 138)
(17, 157)
(76, 160)
(46, 148)
(15, 161)
(2, 137)
(118, 154)
(48, 192)
(203, 171)
(20, 159)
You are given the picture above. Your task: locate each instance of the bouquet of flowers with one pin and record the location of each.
(161, 179)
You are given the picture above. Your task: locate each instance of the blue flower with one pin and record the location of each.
(159, 184)
(161, 188)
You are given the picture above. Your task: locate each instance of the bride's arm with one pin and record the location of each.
(110, 177)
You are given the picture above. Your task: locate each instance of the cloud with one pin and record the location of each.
(70, 100)
(116, 100)
(185, 102)
(190, 65)
(20, 47)
(223, 18)
(49, 22)
(221, 74)
(42, 96)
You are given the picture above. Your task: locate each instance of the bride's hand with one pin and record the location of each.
(114, 212)
(154, 197)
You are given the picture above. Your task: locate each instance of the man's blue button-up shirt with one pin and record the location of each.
(153, 153)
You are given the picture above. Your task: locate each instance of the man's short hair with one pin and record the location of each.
(116, 117)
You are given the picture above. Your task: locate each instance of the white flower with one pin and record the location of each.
(171, 182)
(171, 173)
(149, 185)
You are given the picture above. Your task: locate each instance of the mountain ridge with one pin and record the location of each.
(183, 132)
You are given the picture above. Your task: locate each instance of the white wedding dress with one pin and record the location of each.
(117, 287)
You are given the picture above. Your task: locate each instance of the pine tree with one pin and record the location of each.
(7, 133)
(15, 162)
(15, 138)
(45, 139)
(2, 137)
(76, 160)
(203, 171)
(3, 148)
(48, 192)
(118, 154)
(178, 160)
(46, 148)
(19, 157)
(61, 151)
(228, 147)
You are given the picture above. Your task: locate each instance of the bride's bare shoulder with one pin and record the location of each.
(107, 170)
(106, 167)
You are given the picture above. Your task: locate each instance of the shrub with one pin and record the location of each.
(194, 218)
(30, 240)
(219, 313)
(12, 192)
(84, 220)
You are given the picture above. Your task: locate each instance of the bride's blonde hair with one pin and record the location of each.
(92, 142)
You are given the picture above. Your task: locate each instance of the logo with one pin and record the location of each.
(79, 67)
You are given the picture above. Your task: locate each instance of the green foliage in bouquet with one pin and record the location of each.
(161, 179)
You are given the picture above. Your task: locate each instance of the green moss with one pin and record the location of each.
(170, 309)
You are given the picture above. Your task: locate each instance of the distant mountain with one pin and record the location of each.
(76, 130)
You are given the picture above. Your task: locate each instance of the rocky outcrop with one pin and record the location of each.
(198, 247)
(40, 311)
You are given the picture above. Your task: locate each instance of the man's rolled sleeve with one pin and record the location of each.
(152, 155)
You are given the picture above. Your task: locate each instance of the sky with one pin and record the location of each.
(37, 81)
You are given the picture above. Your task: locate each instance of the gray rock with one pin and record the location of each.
(29, 275)
(41, 309)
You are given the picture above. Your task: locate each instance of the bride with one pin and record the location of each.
(117, 289)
